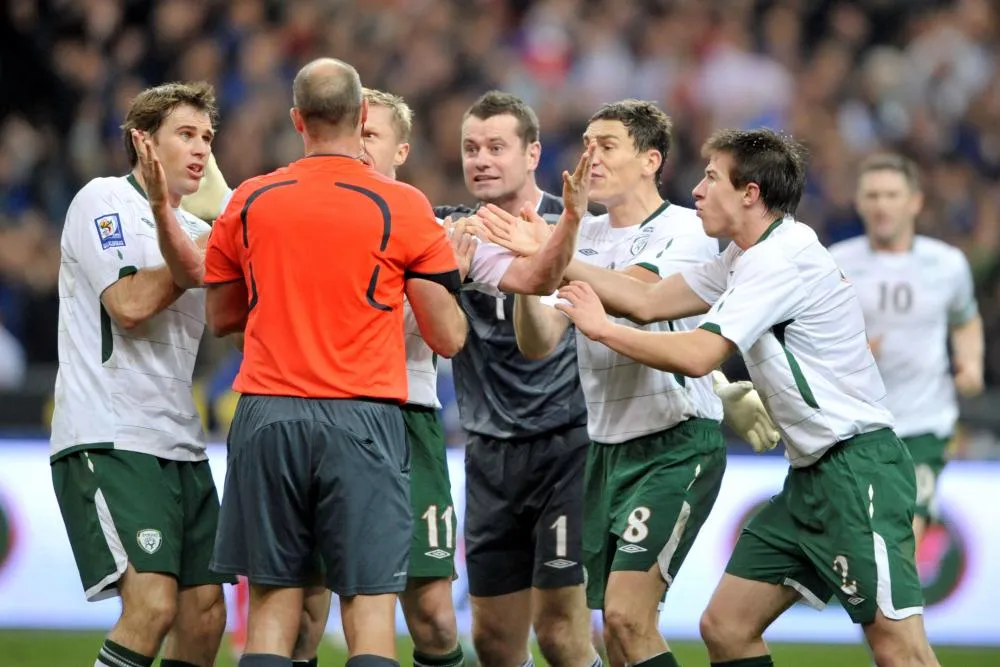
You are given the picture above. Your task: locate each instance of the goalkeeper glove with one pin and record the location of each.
(206, 202)
(744, 412)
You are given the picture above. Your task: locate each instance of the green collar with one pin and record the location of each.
(660, 209)
(771, 228)
(135, 184)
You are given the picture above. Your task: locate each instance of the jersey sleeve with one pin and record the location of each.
(430, 255)
(489, 264)
(673, 254)
(708, 279)
(765, 290)
(222, 255)
(100, 232)
(962, 305)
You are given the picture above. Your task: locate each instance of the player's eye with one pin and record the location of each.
(496, 148)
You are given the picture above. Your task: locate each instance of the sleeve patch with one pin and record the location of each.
(109, 230)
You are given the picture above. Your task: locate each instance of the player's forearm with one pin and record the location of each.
(446, 334)
(681, 352)
(182, 255)
(551, 260)
(538, 328)
(138, 297)
(968, 347)
(621, 294)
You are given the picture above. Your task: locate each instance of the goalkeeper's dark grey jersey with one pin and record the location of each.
(502, 394)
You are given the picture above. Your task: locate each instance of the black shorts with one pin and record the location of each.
(316, 477)
(524, 512)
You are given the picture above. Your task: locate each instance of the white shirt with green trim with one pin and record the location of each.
(798, 324)
(626, 399)
(130, 389)
(911, 300)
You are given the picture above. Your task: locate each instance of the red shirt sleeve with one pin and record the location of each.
(431, 255)
(223, 255)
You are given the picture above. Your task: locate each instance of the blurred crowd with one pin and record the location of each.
(845, 77)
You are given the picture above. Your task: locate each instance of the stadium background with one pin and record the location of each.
(920, 76)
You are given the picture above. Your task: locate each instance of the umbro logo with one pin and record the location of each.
(587, 251)
(855, 601)
(561, 563)
(440, 554)
(632, 549)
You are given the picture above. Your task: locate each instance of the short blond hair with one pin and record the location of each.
(402, 115)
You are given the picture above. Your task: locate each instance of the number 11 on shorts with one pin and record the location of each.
(431, 517)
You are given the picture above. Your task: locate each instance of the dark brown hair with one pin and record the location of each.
(497, 103)
(775, 162)
(151, 107)
(647, 125)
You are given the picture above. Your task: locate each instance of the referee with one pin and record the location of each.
(313, 261)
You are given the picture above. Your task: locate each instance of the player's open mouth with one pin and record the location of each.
(195, 170)
(485, 179)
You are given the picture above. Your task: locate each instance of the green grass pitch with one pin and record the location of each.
(47, 648)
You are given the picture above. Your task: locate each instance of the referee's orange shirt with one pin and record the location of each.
(324, 246)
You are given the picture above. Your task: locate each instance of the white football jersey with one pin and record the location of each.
(126, 389)
(798, 323)
(910, 302)
(489, 264)
(626, 399)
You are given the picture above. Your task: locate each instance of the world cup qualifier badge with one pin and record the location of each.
(109, 230)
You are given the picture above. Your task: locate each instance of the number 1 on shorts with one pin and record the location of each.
(560, 527)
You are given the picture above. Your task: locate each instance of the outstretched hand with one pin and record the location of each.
(580, 303)
(576, 186)
(153, 177)
(522, 235)
(462, 243)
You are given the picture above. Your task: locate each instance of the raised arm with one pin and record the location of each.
(541, 271)
(184, 256)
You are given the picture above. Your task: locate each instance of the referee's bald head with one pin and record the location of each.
(328, 94)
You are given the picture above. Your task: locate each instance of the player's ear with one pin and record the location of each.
(364, 111)
(751, 194)
(402, 152)
(297, 121)
(653, 161)
(534, 154)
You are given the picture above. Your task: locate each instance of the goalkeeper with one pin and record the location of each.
(657, 457)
